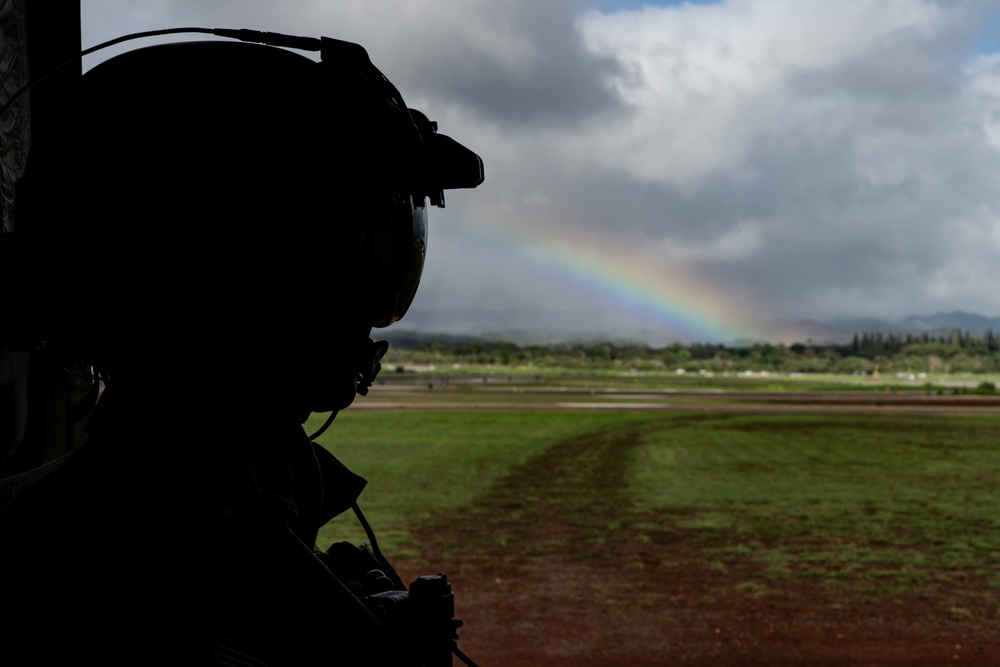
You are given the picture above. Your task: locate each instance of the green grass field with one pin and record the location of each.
(874, 504)
(881, 502)
(422, 463)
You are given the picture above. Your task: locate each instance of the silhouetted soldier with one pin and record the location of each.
(232, 220)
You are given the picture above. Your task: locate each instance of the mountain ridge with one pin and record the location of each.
(534, 326)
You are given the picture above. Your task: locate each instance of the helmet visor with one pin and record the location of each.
(399, 246)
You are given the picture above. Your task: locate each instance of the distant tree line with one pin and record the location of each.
(952, 352)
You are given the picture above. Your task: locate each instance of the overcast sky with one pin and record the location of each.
(703, 167)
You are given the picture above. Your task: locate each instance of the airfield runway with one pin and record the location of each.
(515, 397)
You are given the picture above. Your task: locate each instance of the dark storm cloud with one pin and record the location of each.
(557, 85)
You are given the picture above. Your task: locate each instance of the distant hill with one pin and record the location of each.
(536, 326)
(955, 320)
(525, 326)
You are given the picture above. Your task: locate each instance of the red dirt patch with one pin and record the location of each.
(562, 612)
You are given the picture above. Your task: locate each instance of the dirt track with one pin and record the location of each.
(518, 398)
(620, 605)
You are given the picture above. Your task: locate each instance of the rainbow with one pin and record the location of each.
(662, 298)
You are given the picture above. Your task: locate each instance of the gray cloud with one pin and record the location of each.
(558, 84)
(829, 160)
(516, 63)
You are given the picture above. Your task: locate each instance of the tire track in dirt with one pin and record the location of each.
(569, 501)
(556, 566)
